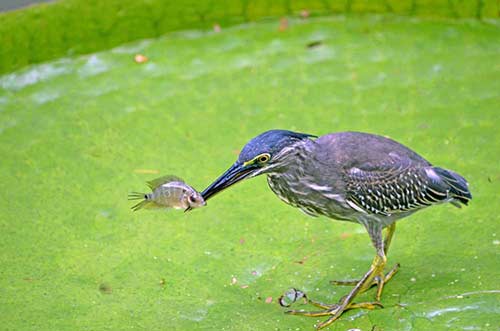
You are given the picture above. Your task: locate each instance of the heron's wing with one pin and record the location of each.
(153, 184)
(396, 187)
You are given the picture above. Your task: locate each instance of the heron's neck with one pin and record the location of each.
(293, 158)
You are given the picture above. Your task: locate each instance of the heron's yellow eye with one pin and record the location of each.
(263, 158)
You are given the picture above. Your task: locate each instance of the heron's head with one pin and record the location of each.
(260, 155)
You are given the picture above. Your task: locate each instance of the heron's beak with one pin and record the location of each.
(236, 173)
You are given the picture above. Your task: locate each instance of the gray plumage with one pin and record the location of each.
(353, 176)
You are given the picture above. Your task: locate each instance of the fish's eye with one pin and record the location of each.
(192, 199)
(263, 158)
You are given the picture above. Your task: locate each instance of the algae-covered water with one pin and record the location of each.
(78, 134)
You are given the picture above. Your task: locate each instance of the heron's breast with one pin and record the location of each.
(313, 199)
(280, 186)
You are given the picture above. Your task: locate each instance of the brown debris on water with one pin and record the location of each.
(140, 58)
(283, 24)
(304, 13)
(105, 288)
(304, 259)
(345, 235)
(314, 44)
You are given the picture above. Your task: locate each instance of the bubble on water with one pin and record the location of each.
(320, 54)
(230, 44)
(198, 68)
(243, 62)
(93, 66)
(19, 80)
(189, 34)
(197, 315)
(132, 48)
(151, 67)
(290, 297)
(357, 315)
(274, 47)
(4, 125)
(437, 67)
(101, 90)
(44, 96)
(377, 57)
(443, 311)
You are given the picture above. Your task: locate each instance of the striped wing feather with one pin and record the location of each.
(402, 188)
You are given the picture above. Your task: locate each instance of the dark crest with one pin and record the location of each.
(271, 142)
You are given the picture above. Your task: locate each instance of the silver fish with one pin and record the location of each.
(168, 192)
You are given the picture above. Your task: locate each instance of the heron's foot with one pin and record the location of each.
(334, 311)
(376, 280)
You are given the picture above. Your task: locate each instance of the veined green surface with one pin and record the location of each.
(70, 27)
(78, 134)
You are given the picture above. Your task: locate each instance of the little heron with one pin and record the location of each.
(349, 176)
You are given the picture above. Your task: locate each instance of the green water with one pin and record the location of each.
(78, 134)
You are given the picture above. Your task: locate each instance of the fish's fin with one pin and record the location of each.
(137, 196)
(145, 204)
(153, 184)
(140, 205)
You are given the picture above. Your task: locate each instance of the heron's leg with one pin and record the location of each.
(389, 233)
(387, 242)
(347, 302)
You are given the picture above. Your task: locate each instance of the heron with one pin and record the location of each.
(348, 176)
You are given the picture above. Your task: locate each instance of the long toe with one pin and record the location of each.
(318, 313)
(334, 311)
(376, 281)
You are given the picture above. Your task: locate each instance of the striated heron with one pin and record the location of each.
(348, 176)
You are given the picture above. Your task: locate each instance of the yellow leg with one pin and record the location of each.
(374, 276)
(388, 236)
(378, 280)
(347, 302)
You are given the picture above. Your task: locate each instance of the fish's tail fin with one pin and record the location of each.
(145, 197)
(457, 185)
(138, 196)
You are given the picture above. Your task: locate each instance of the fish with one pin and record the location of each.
(168, 192)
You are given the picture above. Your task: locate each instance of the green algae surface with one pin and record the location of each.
(78, 134)
(60, 28)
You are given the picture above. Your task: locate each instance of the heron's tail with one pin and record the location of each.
(457, 186)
